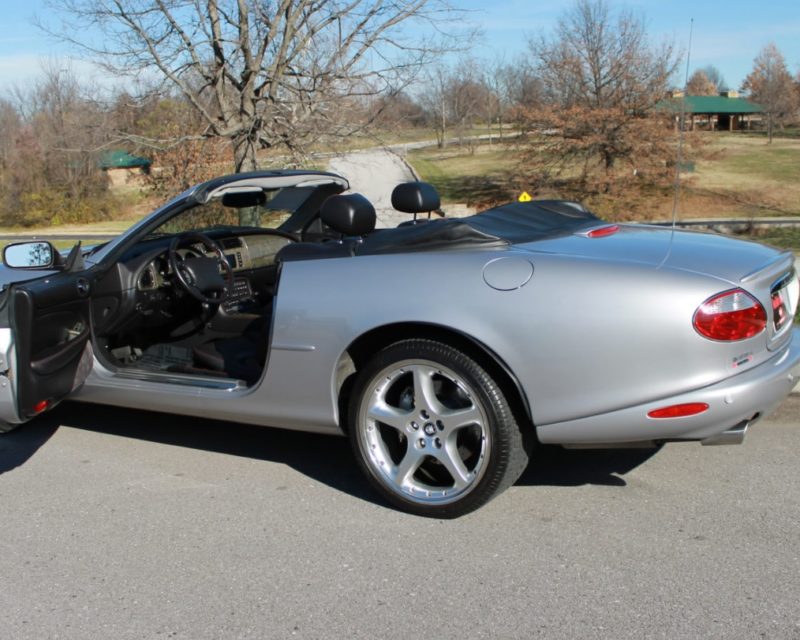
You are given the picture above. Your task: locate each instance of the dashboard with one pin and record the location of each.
(138, 301)
(243, 253)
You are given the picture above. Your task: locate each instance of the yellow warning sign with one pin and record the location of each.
(525, 197)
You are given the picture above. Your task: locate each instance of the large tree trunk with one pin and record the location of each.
(244, 157)
(244, 154)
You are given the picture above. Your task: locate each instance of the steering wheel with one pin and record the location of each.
(200, 275)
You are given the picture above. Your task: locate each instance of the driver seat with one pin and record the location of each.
(349, 215)
(242, 357)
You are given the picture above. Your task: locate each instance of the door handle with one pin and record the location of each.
(83, 287)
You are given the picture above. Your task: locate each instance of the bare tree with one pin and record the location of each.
(715, 75)
(699, 84)
(395, 111)
(522, 87)
(601, 80)
(497, 99)
(771, 85)
(468, 98)
(50, 172)
(455, 96)
(186, 160)
(797, 91)
(433, 98)
(71, 126)
(261, 74)
(10, 125)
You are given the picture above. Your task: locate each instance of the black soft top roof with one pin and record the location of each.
(508, 224)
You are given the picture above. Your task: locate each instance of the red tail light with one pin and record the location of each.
(732, 315)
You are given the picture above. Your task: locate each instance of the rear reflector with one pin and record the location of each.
(679, 410)
(732, 315)
(779, 313)
(602, 232)
(40, 406)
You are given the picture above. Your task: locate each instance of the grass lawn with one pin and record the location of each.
(747, 176)
(109, 227)
(783, 237)
(464, 177)
(95, 233)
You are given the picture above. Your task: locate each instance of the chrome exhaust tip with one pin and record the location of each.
(734, 435)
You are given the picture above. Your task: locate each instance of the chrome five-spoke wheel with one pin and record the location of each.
(432, 430)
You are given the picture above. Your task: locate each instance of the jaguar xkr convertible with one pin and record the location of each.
(445, 349)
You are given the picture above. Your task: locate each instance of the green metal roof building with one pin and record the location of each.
(723, 112)
(119, 159)
(123, 168)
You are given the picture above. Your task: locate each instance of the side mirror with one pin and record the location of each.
(30, 255)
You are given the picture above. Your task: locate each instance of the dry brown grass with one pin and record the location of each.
(742, 175)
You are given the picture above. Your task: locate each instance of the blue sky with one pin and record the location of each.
(727, 35)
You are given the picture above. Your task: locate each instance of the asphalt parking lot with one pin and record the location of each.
(124, 524)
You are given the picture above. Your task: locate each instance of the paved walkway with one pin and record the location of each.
(374, 173)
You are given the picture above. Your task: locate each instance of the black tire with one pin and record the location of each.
(453, 443)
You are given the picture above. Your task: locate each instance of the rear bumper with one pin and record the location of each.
(737, 401)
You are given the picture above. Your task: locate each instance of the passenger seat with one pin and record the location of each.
(416, 198)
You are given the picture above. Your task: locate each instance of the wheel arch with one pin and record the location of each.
(366, 345)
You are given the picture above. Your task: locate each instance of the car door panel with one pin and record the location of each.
(51, 325)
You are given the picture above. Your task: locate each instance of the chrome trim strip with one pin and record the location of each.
(782, 281)
(294, 347)
(205, 382)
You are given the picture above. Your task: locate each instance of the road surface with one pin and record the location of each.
(129, 525)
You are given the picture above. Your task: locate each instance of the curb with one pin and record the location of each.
(407, 164)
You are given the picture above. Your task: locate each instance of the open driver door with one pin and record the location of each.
(45, 331)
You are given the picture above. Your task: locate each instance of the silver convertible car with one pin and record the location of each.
(446, 349)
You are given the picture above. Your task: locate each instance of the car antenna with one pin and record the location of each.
(681, 126)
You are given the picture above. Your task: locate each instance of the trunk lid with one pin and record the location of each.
(718, 256)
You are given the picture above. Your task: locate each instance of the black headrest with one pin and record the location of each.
(415, 197)
(350, 214)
